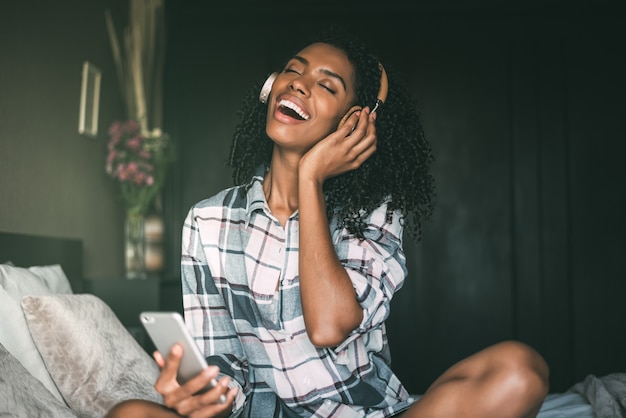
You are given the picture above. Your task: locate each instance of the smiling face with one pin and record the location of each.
(309, 97)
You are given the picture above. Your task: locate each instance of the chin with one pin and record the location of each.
(275, 133)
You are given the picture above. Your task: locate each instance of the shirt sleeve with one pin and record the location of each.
(206, 316)
(376, 265)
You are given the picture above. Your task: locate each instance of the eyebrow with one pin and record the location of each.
(323, 70)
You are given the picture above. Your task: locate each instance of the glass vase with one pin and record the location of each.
(135, 247)
(153, 230)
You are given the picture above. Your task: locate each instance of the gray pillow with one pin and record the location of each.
(21, 395)
(91, 357)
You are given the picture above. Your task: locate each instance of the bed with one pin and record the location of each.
(63, 353)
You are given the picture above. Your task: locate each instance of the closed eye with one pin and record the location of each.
(331, 91)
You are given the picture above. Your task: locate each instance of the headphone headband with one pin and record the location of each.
(384, 89)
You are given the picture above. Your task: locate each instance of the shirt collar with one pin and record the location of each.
(256, 196)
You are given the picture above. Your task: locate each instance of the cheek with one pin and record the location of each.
(329, 120)
(322, 129)
(329, 126)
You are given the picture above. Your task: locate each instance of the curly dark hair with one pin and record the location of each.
(399, 169)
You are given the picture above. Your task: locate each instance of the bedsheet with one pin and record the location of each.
(566, 405)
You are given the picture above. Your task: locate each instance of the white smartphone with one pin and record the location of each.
(168, 328)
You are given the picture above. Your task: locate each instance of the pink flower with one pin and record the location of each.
(132, 126)
(139, 178)
(115, 129)
(137, 162)
(122, 172)
(111, 156)
(132, 168)
(134, 143)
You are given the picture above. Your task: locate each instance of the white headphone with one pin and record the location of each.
(267, 88)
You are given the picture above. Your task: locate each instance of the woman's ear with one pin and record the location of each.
(350, 112)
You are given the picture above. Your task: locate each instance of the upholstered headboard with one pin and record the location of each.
(25, 250)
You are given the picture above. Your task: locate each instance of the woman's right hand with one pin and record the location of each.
(185, 399)
(344, 150)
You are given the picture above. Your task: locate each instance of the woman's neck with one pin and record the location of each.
(280, 186)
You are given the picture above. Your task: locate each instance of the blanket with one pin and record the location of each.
(606, 394)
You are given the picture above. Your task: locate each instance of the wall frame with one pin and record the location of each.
(89, 100)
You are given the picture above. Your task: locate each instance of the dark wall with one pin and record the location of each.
(522, 107)
(52, 179)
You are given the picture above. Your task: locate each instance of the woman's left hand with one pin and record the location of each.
(192, 399)
(342, 151)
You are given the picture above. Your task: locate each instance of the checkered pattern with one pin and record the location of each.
(242, 304)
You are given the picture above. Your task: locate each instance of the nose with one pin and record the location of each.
(300, 85)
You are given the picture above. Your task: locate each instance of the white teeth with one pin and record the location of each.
(294, 107)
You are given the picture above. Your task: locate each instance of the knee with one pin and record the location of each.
(132, 408)
(524, 369)
(125, 409)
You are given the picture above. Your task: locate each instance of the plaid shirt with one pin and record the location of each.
(241, 300)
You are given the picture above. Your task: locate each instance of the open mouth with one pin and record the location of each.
(292, 110)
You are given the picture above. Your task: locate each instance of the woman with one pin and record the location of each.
(288, 276)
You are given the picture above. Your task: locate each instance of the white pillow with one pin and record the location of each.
(93, 359)
(54, 277)
(16, 282)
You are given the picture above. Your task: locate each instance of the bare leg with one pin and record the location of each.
(140, 409)
(507, 380)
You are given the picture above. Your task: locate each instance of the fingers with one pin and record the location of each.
(199, 392)
(166, 382)
(201, 396)
(202, 383)
(362, 126)
(168, 385)
(209, 403)
(362, 119)
(353, 122)
(158, 358)
(362, 141)
(362, 122)
(356, 143)
(344, 150)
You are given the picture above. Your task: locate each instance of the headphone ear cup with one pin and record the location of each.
(350, 112)
(267, 88)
